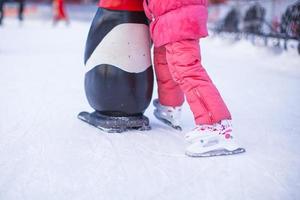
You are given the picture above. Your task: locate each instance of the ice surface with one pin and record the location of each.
(47, 153)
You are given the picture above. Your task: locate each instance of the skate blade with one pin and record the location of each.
(166, 122)
(217, 152)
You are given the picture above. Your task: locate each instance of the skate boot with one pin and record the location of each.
(168, 115)
(212, 140)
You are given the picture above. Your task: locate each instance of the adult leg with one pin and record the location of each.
(21, 9)
(1, 10)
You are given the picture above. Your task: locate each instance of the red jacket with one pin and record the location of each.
(175, 20)
(130, 5)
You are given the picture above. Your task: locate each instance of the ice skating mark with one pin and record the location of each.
(112, 124)
(168, 123)
(216, 152)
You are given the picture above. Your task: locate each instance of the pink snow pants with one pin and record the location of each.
(179, 72)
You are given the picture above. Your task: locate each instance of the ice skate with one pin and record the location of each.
(168, 115)
(212, 140)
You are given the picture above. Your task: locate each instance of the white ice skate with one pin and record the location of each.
(167, 114)
(212, 140)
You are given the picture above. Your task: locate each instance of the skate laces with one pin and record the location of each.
(171, 113)
(222, 128)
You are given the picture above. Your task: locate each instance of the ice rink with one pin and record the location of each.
(47, 153)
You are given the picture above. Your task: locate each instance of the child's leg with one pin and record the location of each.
(169, 92)
(184, 61)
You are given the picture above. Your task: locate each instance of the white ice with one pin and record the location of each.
(47, 153)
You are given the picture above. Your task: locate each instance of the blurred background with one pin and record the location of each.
(275, 20)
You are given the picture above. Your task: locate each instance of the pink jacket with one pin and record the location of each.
(175, 20)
